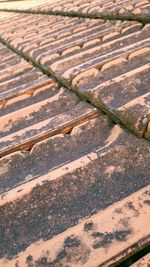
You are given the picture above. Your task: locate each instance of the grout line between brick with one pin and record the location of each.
(65, 83)
(97, 15)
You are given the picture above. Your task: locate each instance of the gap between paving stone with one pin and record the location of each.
(65, 83)
(81, 15)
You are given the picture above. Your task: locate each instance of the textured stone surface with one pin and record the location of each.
(28, 135)
(65, 189)
(134, 9)
(18, 76)
(74, 185)
(112, 234)
(105, 62)
(22, 166)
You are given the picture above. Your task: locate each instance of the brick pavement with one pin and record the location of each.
(75, 130)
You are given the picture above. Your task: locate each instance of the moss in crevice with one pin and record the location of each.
(96, 15)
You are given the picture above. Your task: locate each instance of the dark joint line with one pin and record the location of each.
(108, 16)
(66, 84)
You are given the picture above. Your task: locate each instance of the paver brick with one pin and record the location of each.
(48, 154)
(46, 200)
(110, 233)
(74, 185)
(96, 61)
(17, 76)
(134, 9)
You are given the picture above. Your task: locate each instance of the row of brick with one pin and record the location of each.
(62, 160)
(65, 178)
(107, 63)
(34, 106)
(134, 9)
(17, 76)
(95, 241)
(76, 171)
